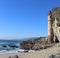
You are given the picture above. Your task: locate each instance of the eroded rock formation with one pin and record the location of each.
(54, 25)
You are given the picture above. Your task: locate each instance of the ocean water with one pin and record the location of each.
(10, 42)
(10, 46)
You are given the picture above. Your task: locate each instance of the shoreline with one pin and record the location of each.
(36, 54)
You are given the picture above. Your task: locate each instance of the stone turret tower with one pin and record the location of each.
(50, 28)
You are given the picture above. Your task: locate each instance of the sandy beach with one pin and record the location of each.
(36, 54)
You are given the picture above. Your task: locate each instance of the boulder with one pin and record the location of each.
(14, 56)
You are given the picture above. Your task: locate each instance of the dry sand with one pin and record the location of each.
(36, 54)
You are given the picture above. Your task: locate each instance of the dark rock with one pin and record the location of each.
(4, 46)
(33, 44)
(55, 55)
(9, 57)
(52, 56)
(26, 51)
(15, 56)
(13, 46)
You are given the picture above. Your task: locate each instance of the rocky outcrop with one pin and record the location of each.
(27, 45)
(33, 44)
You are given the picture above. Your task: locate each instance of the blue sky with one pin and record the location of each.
(25, 18)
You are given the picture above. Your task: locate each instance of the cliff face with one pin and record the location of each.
(54, 25)
(56, 22)
(33, 44)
